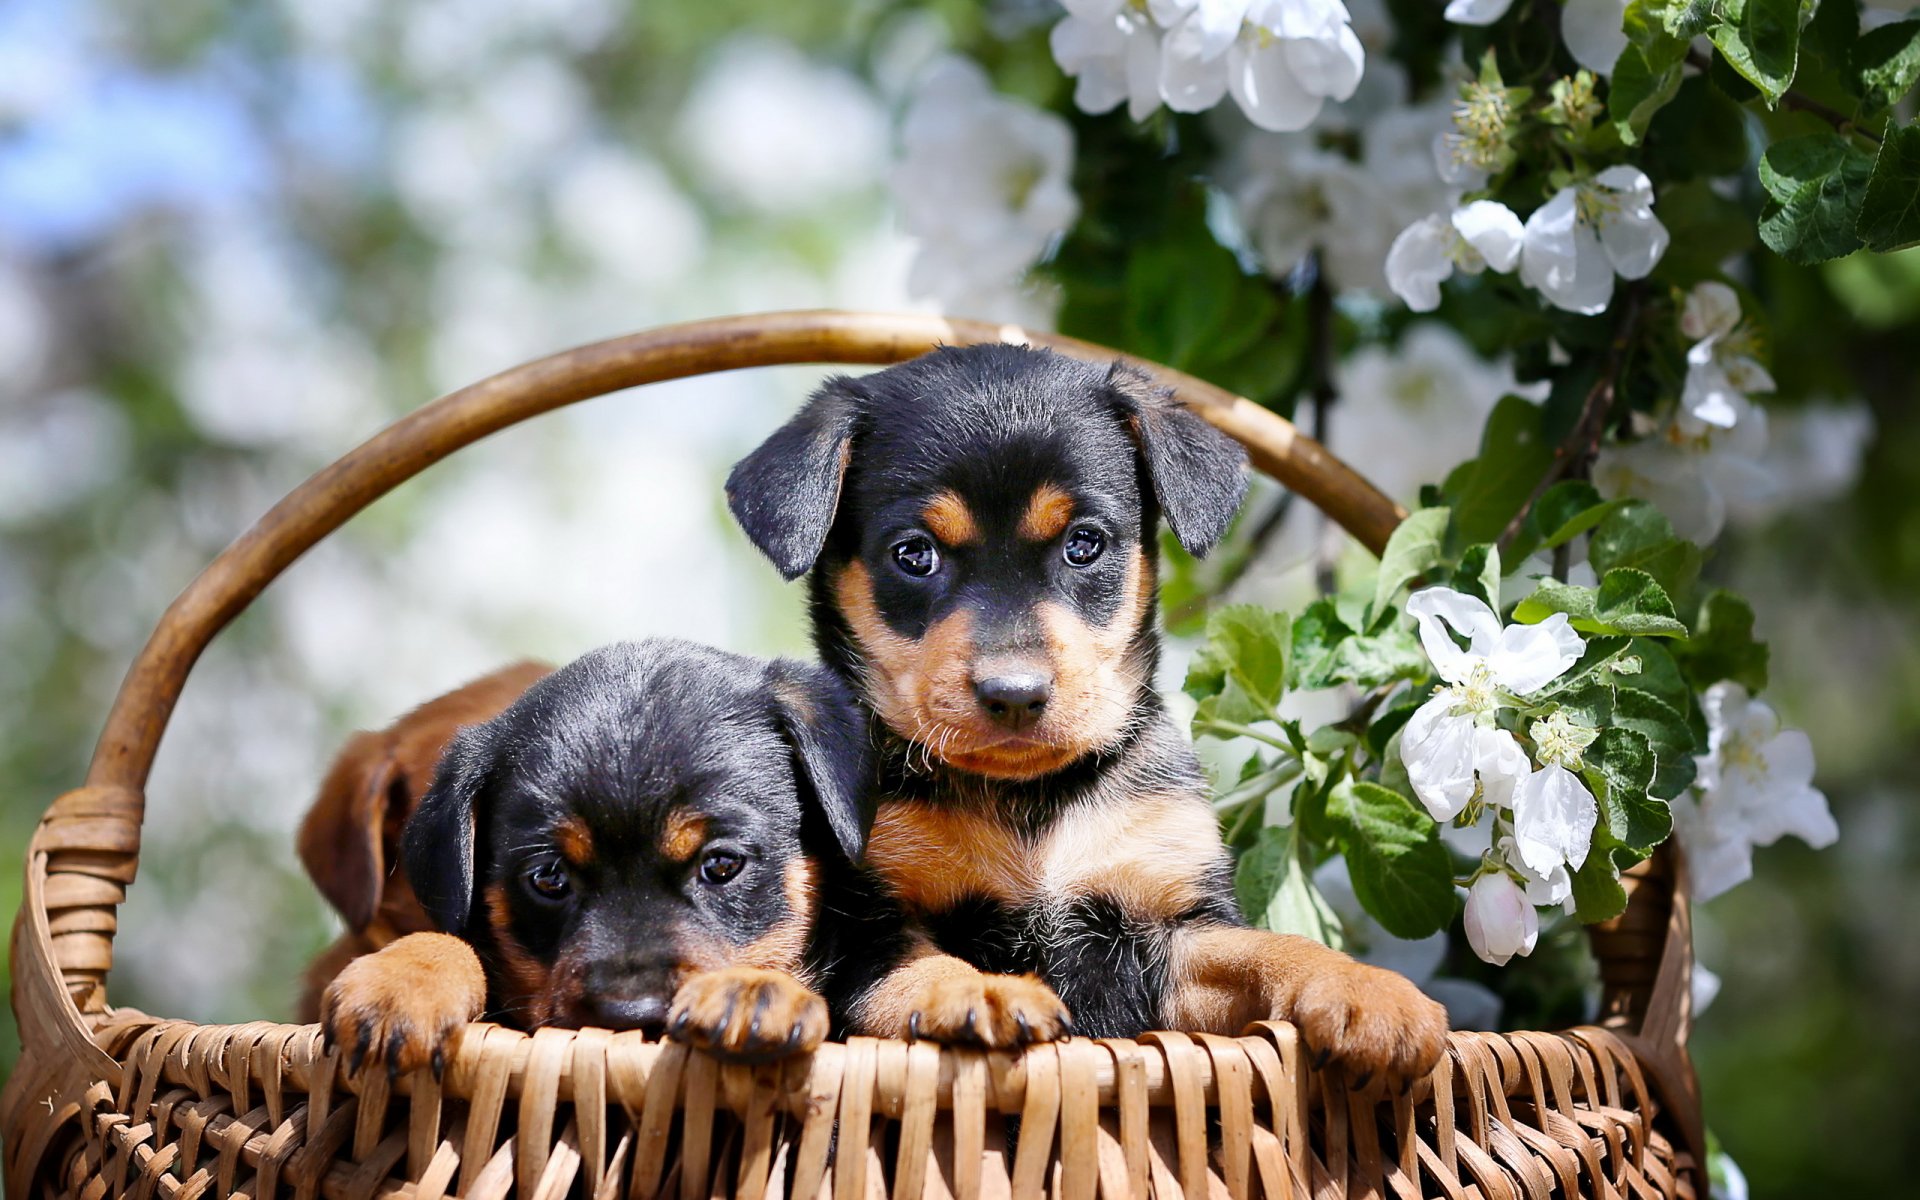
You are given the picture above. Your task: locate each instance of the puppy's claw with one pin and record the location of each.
(994, 1011)
(1320, 1059)
(439, 1063)
(360, 1047)
(403, 1005)
(747, 1014)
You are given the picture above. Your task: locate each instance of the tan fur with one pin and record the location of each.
(1374, 1022)
(924, 690)
(747, 1014)
(685, 832)
(410, 1001)
(933, 855)
(939, 997)
(575, 841)
(1147, 855)
(948, 518)
(784, 947)
(1047, 514)
(527, 985)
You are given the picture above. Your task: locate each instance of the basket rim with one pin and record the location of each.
(86, 849)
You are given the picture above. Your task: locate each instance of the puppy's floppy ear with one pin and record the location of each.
(786, 492)
(437, 847)
(1199, 474)
(341, 840)
(816, 710)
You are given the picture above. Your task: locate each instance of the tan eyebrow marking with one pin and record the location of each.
(685, 833)
(948, 518)
(1047, 513)
(575, 840)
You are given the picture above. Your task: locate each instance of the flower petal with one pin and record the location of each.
(1563, 260)
(1477, 12)
(1434, 609)
(1492, 229)
(1418, 262)
(1191, 79)
(1634, 240)
(1528, 657)
(1263, 85)
(1500, 923)
(1553, 819)
(1502, 764)
(1593, 31)
(1439, 751)
(1328, 66)
(1711, 311)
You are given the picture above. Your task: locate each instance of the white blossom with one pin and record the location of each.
(983, 183)
(1589, 232)
(1281, 60)
(1112, 52)
(1500, 920)
(1553, 819)
(1593, 31)
(1432, 390)
(1476, 236)
(1695, 479)
(1755, 784)
(1295, 198)
(1449, 742)
(1721, 369)
(1477, 12)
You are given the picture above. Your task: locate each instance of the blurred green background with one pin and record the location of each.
(237, 238)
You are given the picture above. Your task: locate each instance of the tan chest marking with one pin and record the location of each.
(1148, 856)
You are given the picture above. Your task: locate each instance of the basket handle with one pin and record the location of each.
(88, 845)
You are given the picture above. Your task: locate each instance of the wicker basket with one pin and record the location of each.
(112, 1101)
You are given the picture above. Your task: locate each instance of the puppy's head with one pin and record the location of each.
(980, 525)
(650, 811)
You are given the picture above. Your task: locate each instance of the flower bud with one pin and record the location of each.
(1500, 921)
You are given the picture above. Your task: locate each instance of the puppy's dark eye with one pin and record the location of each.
(549, 880)
(718, 866)
(1083, 546)
(916, 556)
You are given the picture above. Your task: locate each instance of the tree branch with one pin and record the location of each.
(1798, 102)
(1574, 456)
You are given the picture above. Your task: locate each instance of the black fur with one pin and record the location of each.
(989, 424)
(771, 755)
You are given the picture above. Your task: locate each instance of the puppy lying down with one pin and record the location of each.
(646, 839)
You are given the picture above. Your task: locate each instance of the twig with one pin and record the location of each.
(1575, 453)
(1322, 391)
(1797, 101)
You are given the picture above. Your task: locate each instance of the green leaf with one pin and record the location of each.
(1707, 227)
(1890, 210)
(1761, 40)
(1369, 660)
(1402, 874)
(1885, 63)
(1416, 547)
(1239, 674)
(1723, 645)
(1637, 535)
(1627, 601)
(1659, 674)
(1640, 89)
(1487, 492)
(1815, 185)
(1597, 894)
(1620, 768)
(1666, 730)
(1276, 891)
(1699, 135)
(1600, 655)
(1569, 509)
(1478, 574)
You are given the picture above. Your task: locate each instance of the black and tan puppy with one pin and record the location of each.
(980, 528)
(636, 843)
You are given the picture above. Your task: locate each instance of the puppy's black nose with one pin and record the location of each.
(648, 1014)
(1015, 699)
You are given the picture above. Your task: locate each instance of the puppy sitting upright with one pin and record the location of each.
(980, 528)
(636, 843)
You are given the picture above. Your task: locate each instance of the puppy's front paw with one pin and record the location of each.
(747, 1014)
(996, 1011)
(405, 1005)
(1372, 1022)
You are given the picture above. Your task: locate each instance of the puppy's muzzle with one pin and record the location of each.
(1014, 699)
(648, 1014)
(621, 996)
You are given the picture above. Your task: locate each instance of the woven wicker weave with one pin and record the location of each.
(110, 1101)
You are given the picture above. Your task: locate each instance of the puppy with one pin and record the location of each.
(980, 526)
(636, 843)
(350, 839)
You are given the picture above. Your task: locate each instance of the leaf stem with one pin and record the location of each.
(1574, 456)
(1236, 729)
